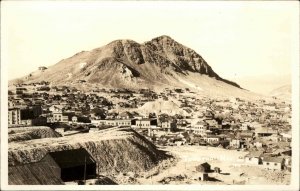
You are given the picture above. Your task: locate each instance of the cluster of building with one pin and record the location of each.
(260, 126)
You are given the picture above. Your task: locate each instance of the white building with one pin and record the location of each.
(14, 116)
(200, 128)
(254, 158)
(273, 163)
(112, 122)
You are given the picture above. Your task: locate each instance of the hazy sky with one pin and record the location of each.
(237, 39)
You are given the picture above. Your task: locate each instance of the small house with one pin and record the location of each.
(217, 170)
(146, 123)
(265, 132)
(212, 139)
(273, 163)
(200, 128)
(244, 127)
(212, 123)
(125, 115)
(169, 125)
(254, 157)
(74, 119)
(60, 117)
(42, 68)
(258, 144)
(235, 143)
(204, 167)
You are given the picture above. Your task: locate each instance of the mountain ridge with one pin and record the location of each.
(126, 63)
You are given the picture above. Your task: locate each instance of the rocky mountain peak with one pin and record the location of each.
(163, 38)
(126, 63)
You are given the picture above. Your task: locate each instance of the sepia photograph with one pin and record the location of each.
(150, 95)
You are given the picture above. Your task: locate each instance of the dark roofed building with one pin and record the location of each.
(42, 68)
(204, 167)
(75, 164)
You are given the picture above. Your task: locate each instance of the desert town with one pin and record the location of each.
(211, 140)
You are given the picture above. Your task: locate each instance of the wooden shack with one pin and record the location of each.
(76, 164)
(217, 170)
(204, 167)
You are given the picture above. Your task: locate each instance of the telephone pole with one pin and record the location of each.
(84, 175)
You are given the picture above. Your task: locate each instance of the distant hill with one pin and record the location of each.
(263, 84)
(283, 92)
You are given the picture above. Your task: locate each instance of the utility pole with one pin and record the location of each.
(84, 175)
(97, 168)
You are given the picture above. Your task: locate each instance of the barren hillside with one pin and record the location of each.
(29, 133)
(114, 150)
(126, 63)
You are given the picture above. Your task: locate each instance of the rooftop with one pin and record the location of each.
(71, 158)
(273, 159)
(255, 154)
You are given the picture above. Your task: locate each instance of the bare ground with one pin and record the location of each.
(232, 168)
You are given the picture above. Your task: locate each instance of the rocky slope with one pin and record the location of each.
(115, 150)
(29, 133)
(160, 106)
(126, 63)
